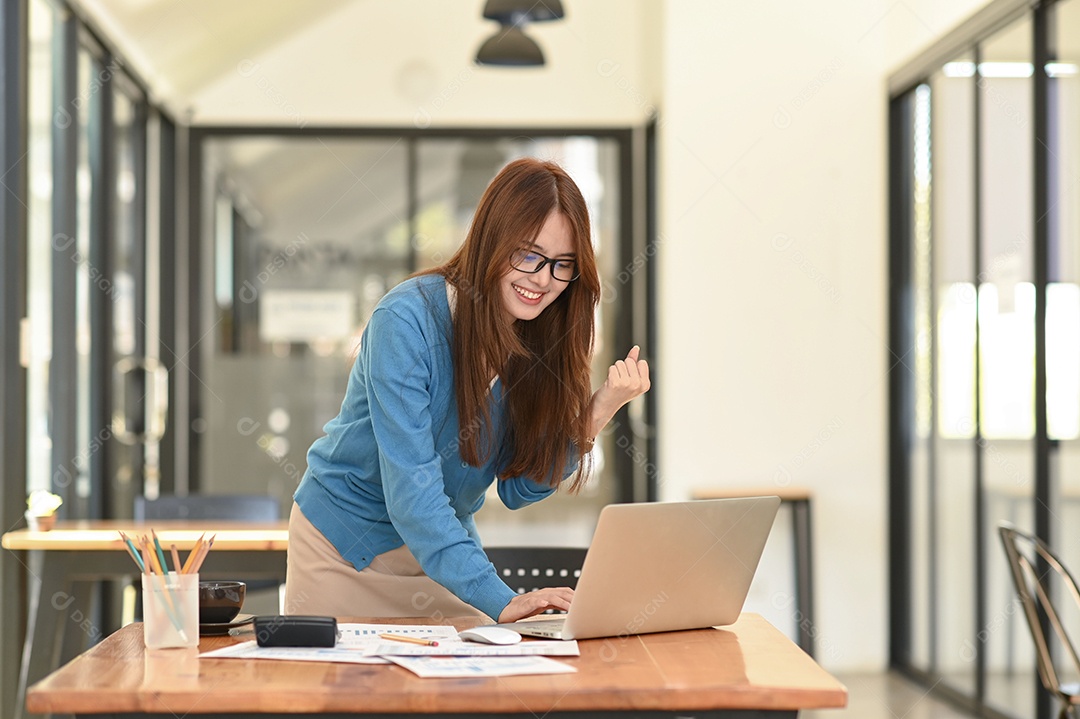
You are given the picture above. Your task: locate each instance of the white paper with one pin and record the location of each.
(458, 648)
(251, 650)
(361, 644)
(458, 667)
(353, 645)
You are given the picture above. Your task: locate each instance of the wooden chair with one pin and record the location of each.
(1024, 552)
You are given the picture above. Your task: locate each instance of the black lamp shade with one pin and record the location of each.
(510, 47)
(513, 12)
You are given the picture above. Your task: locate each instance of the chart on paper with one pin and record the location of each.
(364, 635)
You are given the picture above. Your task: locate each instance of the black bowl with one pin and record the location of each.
(220, 601)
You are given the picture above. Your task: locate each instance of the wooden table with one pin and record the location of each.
(801, 536)
(748, 670)
(62, 560)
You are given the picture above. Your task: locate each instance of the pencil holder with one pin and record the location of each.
(170, 610)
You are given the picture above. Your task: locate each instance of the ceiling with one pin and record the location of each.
(181, 47)
(379, 61)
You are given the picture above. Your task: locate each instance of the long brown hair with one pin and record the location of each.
(544, 363)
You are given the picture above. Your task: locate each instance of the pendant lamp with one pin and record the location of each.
(510, 46)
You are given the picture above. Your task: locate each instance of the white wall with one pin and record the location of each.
(773, 359)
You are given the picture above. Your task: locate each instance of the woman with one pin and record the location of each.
(475, 370)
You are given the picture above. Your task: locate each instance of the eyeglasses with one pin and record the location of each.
(533, 262)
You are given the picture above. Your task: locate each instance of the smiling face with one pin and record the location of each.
(526, 295)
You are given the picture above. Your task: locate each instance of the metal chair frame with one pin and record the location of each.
(1034, 592)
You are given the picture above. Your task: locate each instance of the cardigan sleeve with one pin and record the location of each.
(518, 492)
(399, 397)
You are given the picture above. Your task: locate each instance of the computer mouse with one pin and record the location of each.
(490, 635)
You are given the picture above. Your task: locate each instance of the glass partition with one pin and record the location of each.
(953, 90)
(920, 458)
(984, 170)
(1063, 291)
(39, 246)
(1006, 318)
(303, 237)
(452, 174)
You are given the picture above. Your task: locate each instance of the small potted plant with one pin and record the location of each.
(41, 510)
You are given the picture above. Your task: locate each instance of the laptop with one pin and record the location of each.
(663, 566)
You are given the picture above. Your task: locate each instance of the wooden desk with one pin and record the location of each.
(748, 670)
(801, 537)
(62, 560)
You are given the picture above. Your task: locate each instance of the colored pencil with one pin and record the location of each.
(154, 556)
(202, 556)
(151, 562)
(160, 553)
(192, 554)
(170, 606)
(130, 547)
(150, 569)
(196, 558)
(410, 640)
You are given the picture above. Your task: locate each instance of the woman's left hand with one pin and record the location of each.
(627, 378)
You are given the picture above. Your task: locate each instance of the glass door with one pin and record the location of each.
(86, 270)
(301, 238)
(137, 385)
(40, 245)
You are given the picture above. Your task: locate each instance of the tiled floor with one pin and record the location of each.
(886, 696)
(892, 696)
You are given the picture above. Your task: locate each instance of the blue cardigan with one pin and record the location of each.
(388, 471)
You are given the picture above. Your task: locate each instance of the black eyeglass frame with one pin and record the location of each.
(546, 261)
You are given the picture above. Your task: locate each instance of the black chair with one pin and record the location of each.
(527, 569)
(1036, 596)
(225, 507)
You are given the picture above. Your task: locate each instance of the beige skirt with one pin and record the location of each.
(319, 581)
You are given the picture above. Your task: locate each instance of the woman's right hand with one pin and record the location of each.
(532, 603)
